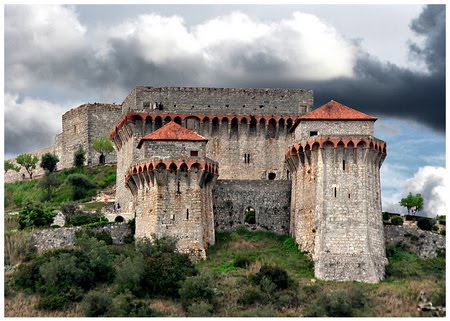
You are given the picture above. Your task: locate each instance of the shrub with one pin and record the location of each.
(435, 228)
(274, 274)
(70, 209)
(47, 183)
(397, 220)
(443, 231)
(386, 216)
(79, 157)
(200, 309)
(442, 219)
(241, 262)
(425, 223)
(128, 239)
(49, 161)
(18, 248)
(96, 303)
(196, 289)
(252, 296)
(127, 305)
(330, 305)
(100, 236)
(35, 216)
(80, 185)
(129, 274)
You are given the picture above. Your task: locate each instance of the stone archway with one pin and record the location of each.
(119, 219)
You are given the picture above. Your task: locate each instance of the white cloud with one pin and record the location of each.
(37, 37)
(429, 181)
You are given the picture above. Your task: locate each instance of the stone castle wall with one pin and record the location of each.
(228, 101)
(269, 199)
(80, 126)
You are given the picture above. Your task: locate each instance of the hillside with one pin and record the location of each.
(226, 283)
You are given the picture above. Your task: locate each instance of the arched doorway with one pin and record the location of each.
(119, 219)
(250, 216)
(102, 159)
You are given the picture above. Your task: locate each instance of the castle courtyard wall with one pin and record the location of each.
(269, 199)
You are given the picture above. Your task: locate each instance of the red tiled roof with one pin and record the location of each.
(172, 131)
(334, 110)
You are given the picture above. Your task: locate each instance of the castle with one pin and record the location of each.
(192, 161)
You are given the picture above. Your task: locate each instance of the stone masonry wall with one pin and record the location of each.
(56, 238)
(424, 243)
(240, 101)
(324, 127)
(270, 199)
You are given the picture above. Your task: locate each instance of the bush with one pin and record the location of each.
(274, 274)
(80, 185)
(79, 157)
(443, 231)
(241, 262)
(69, 210)
(425, 223)
(252, 296)
(18, 248)
(442, 219)
(386, 216)
(435, 228)
(100, 236)
(330, 305)
(127, 305)
(96, 303)
(200, 309)
(196, 289)
(49, 161)
(35, 216)
(397, 220)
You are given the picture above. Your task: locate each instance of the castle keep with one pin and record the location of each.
(192, 161)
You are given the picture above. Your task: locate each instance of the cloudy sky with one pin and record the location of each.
(385, 60)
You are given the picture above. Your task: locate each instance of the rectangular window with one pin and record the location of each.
(343, 165)
(194, 152)
(313, 133)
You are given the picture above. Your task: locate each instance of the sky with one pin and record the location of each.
(385, 60)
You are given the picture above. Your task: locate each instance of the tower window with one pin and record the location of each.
(272, 176)
(187, 214)
(343, 165)
(194, 152)
(178, 188)
(246, 158)
(313, 133)
(335, 192)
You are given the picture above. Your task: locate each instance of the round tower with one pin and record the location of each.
(336, 204)
(172, 189)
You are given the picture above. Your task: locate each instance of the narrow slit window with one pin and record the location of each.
(335, 192)
(187, 214)
(343, 165)
(178, 187)
(245, 158)
(313, 133)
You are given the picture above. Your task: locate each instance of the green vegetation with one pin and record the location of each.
(55, 189)
(79, 157)
(103, 146)
(412, 202)
(425, 223)
(35, 215)
(8, 165)
(49, 161)
(276, 279)
(27, 161)
(397, 220)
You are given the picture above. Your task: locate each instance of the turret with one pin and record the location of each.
(171, 186)
(335, 203)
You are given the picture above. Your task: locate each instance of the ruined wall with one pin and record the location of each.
(237, 101)
(49, 239)
(270, 199)
(424, 243)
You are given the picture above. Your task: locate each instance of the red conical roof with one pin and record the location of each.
(172, 132)
(333, 110)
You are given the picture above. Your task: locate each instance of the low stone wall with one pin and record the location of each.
(424, 243)
(55, 238)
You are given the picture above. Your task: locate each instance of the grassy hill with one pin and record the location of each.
(229, 273)
(19, 193)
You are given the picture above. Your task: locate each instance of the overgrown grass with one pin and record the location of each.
(19, 193)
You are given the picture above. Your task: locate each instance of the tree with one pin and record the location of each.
(49, 161)
(28, 161)
(412, 202)
(103, 146)
(9, 165)
(79, 157)
(48, 182)
(80, 185)
(33, 215)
